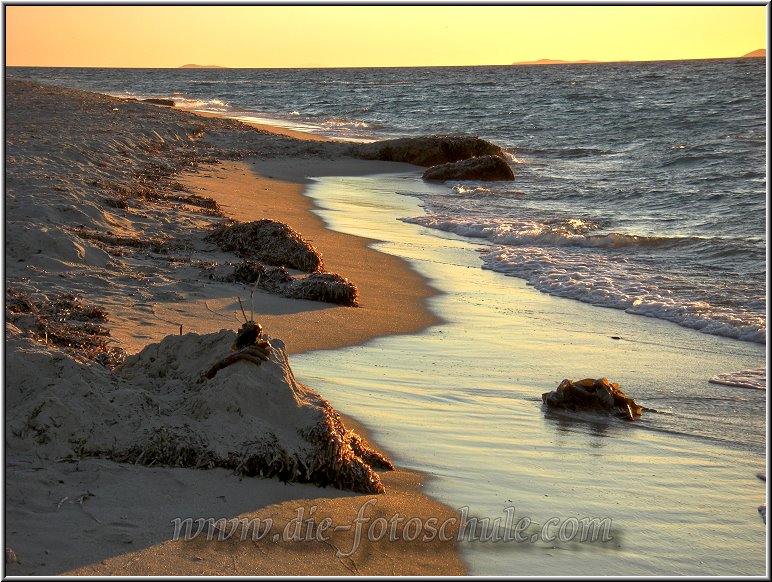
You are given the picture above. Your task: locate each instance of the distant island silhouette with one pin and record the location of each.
(553, 62)
(193, 66)
(759, 53)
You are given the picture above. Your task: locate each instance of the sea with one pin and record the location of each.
(640, 186)
(632, 244)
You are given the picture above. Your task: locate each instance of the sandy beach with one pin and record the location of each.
(392, 295)
(108, 200)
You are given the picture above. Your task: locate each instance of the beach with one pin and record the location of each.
(285, 297)
(441, 367)
(67, 152)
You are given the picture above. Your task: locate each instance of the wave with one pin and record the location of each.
(564, 152)
(563, 232)
(755, 379)
(587, 97)
(688, 159)
(623, 285)
(467, 189)
(567, 258)
(179, 100)
(205, 104)
(349, 123)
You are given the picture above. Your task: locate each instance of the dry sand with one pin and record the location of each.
(79, 164)
(391, 295)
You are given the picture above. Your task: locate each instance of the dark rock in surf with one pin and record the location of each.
(486, 168)
(165, 102)
(426, 150)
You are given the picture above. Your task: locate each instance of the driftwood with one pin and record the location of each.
(255, 353)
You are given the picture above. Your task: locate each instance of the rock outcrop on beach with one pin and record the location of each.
(482, 168)
(158, 409)
(426, 150)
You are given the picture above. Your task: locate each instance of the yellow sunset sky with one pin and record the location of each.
(373, 36)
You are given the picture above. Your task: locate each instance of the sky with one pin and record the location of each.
(373, 36)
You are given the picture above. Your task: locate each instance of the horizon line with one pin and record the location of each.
(557, 62)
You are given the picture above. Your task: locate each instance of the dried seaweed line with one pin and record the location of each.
(65, 322)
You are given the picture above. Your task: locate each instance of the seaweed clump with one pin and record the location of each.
(272, 279)
(268, 241)
(593, 395)
(327, 287)
(65, 322)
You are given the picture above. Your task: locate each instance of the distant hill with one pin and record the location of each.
(553, 62)
(192, 66)
(756, 53)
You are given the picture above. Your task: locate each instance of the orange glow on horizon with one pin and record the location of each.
(373, 36)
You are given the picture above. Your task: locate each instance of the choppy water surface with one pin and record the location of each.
(640, 186)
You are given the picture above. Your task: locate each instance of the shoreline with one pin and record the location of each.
(392, 295)
(398, 309)
(275, 129)
(493, 445)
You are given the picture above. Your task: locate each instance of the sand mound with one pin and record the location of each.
(157, 408)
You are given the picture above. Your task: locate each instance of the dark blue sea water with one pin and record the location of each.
(640, 186)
